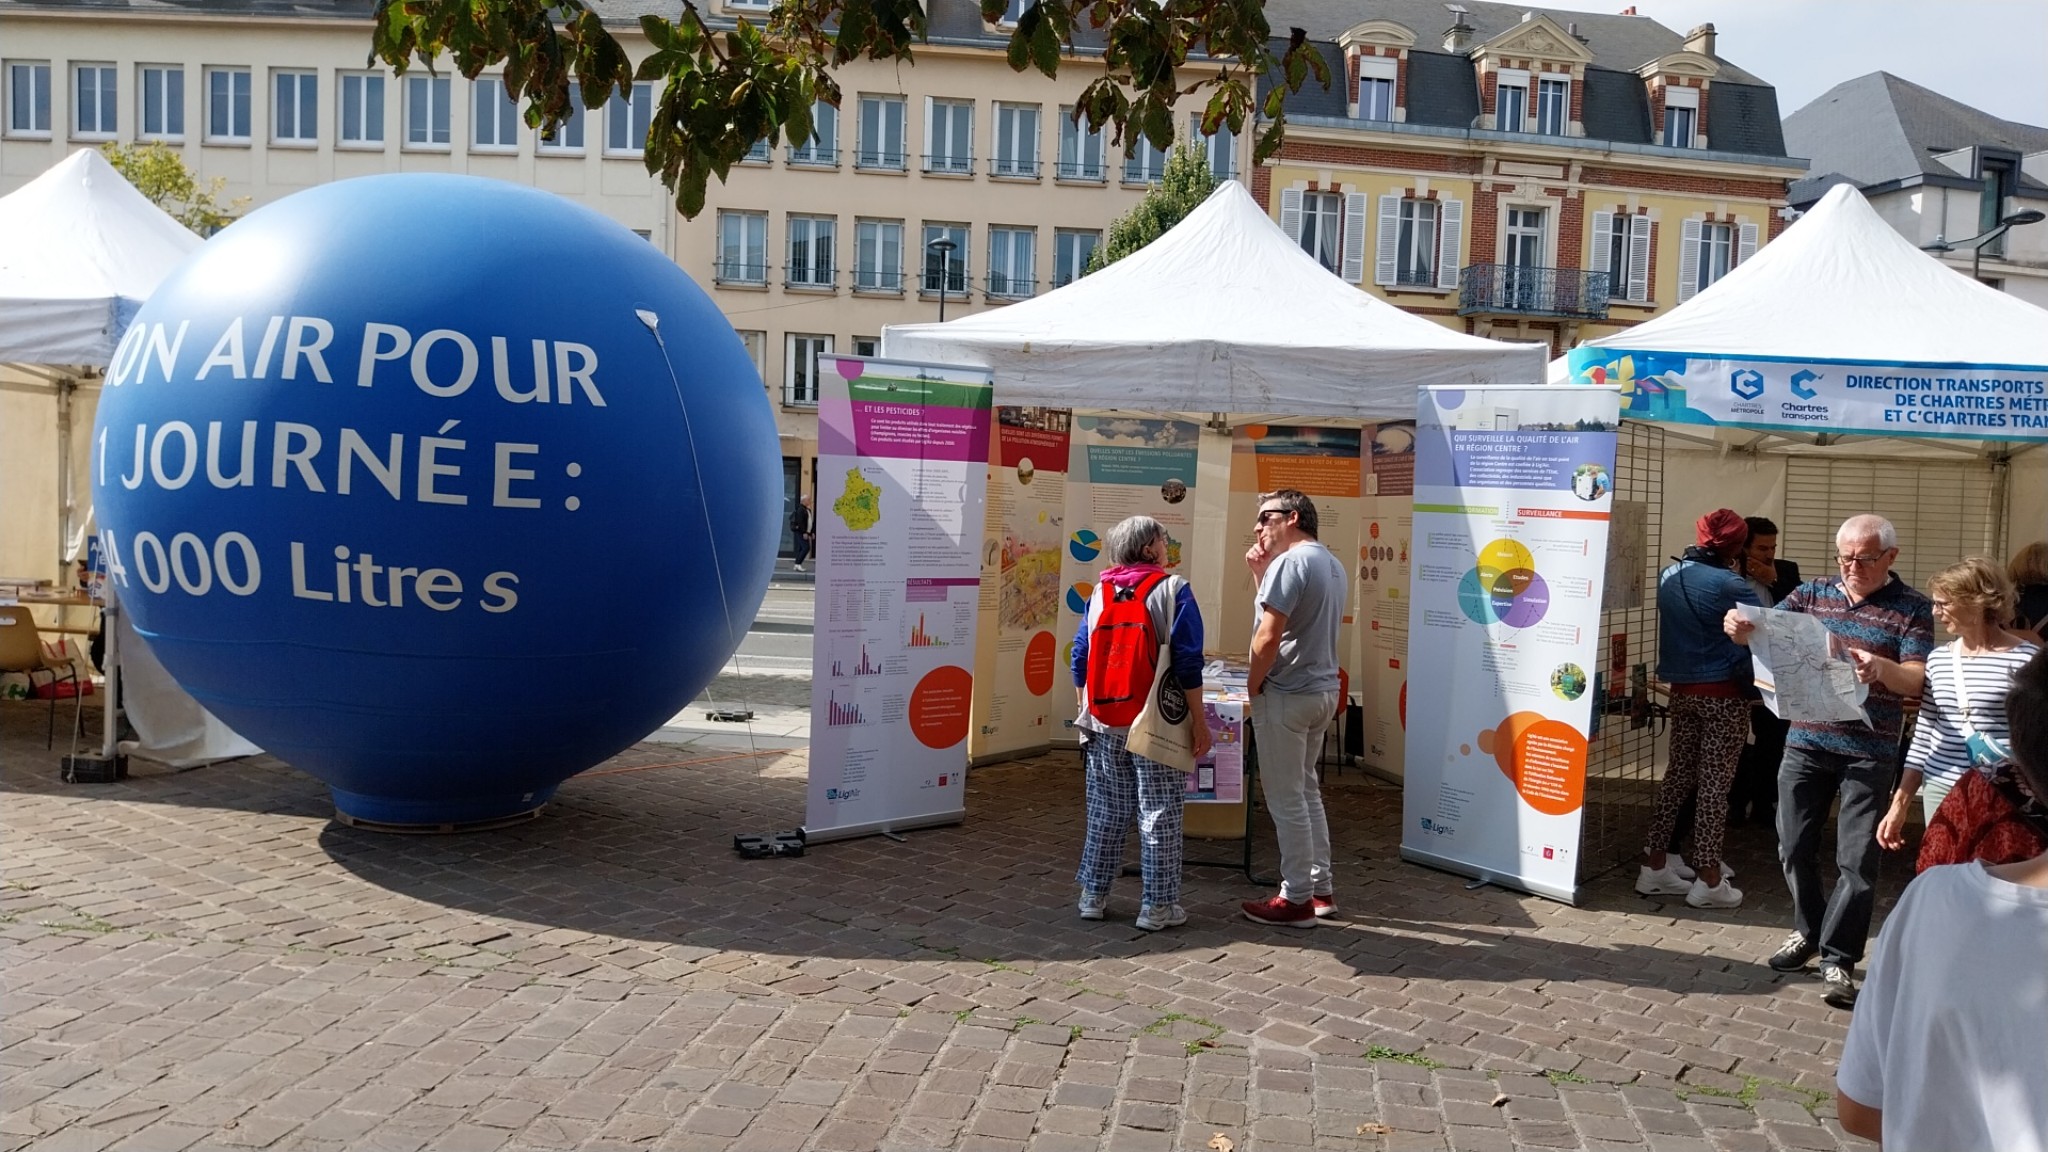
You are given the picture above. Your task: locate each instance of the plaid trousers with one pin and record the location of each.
(1121, 787)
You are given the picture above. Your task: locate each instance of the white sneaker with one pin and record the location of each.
(798, 567)
(1663, 881)
(1093, 904)
(1153, 917)
(1722, 895)
(1676, 863)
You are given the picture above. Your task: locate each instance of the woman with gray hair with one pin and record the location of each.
(1123, 785)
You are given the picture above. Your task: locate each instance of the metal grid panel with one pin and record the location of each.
(1942, 508)
(1622, 762)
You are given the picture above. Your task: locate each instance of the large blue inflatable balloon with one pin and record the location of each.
(440, 489)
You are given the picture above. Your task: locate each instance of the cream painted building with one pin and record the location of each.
(805, 249)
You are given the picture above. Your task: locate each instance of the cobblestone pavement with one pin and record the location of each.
(206, 960)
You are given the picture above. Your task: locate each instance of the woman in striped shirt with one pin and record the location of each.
(1962, 721)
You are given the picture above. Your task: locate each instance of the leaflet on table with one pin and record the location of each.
(1121, 466)
(902, 473)
(1804, 671)
(1021, 686)
(1513, 489)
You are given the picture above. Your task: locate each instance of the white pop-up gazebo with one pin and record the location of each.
(1224, 314)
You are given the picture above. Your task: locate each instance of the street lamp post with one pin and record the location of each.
(1976, 243)
(944, 248)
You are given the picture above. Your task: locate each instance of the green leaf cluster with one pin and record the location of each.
(724, 90)
(1186, 182)
(159, 173)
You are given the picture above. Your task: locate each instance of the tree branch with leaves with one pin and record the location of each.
(725, 89)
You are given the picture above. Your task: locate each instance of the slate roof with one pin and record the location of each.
(1443, 88)
(1879, 129)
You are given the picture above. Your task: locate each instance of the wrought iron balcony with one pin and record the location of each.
(1520, 290)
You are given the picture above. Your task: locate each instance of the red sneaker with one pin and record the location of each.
(1325, 906)
(1281, 912)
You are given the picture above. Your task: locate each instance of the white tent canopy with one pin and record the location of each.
(1841, 284)
(1224, 313)
(80, 250)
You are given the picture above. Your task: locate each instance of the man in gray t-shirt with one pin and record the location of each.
(1293, 686)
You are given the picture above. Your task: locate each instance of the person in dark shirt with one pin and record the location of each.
(803, 531)
(1754, 799)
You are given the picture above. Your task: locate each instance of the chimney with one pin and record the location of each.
(1629, 11)
(1572, 30)
(1700, 40)
(1459, 39)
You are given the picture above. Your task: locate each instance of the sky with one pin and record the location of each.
(1989, 54)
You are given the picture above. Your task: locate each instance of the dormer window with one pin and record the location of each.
(1553, 105)
(1681, 117)
(1511, 100)
(1376, 76)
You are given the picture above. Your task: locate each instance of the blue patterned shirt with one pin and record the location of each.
(1896, 622)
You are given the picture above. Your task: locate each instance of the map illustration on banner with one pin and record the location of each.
(1513, 491)
(902, 467)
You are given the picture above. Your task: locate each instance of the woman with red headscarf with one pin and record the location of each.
(1710, 688)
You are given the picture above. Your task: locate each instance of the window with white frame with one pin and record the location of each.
(1012, 261)
(1080, 149)
(1419, 243)
(426, 111)
(869, 346)
(881, 134)
(1681, 116)
(28, 98)
(878, 256)
(756, 344)
(811, 249)
(757, 153)
(493, 116)
(949, 135)
(1143, 163)
(1621, 248)
(361, 96)
(1511, 100)
(800, 367)
(947, 268)
(627, 116)
(822, 149)
(742, 248)
(1316, 225)
(95, 104)
(568, 137)
(1708, 250)
(1553, 106)
(1220, 148)
(163, 102)
(749, 5)
(227, 104)
(1072, 249)
(1014, 10)
(1376, 76)
(294, 107)
(1016, 140)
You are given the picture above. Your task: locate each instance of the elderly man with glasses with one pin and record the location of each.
(1888, 628)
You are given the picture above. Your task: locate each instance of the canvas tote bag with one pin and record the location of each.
(1164, 732)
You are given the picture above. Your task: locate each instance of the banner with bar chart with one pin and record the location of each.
(902, 479)
(1513, 491)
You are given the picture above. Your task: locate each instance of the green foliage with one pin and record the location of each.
(722, 91)
(158, 172)
(1186, 182)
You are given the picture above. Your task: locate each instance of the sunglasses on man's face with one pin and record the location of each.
(1266, 514)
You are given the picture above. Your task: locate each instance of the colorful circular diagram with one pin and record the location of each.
(1084, 546)
(1545, 758)
(1077, 596)
(1503, 588)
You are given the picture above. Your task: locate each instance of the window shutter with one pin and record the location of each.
(1603, 238)
(1450, 239)
(931, 111)
(1387, 257)
(1688, 260)
(1639, 258)
(1290, 213)
(1354, 237)
(1745, 245)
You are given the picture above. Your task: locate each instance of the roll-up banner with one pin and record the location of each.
(903, 454)
(1513, 490)
(1022, 696)
(1383, 561)
(1122, 466)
